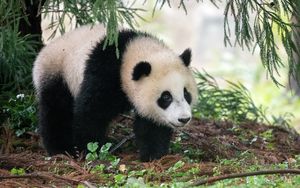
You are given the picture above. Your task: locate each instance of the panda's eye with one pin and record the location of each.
(165, 100)
(166, 96)
(187, 96)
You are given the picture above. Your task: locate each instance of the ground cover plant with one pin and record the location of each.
(217, 142)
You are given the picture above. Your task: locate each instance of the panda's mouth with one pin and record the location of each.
(176, 125)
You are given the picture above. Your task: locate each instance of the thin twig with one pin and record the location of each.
(89, 185)
(2, 177)
(188, 134)
(65, 179)
(127, 138)
(127, 117)
(39, 175)
(246, 174)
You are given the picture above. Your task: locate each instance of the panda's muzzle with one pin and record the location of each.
(181, 122)
(184, 120)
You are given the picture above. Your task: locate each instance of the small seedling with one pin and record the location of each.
(98, 168)
(176, 166)
(17, 171)
(104, 152)
(120, 179)
(103, 155)
(92, 148)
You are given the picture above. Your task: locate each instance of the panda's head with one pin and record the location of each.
(159, 83)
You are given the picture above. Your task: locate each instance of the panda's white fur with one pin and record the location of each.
(67, 55)
(66, 67)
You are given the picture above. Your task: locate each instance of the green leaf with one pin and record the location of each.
(105, 148)
(98, 168)
(91, 156)
(92, 146)
(176, 166)
(120, 179)
(17, 171)
(80, 186)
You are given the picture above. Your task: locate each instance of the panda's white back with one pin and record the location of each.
(67, 55)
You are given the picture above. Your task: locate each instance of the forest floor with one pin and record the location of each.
(204, 149)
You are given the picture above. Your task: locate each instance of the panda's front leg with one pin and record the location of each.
(86, 129)
(153, 140)
(90, 122)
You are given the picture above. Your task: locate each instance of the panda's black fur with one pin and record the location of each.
(56, 116)
(152, 139)
(68, 123)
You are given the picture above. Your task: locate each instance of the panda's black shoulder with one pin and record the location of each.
(114, 52)
(127, 35)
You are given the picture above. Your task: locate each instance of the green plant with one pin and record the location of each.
(110, 13)
(233, 104)
(139, 173)
(16, 56)
(120, 179)
(92, 151)
(193, 171)
(103, 154)
(17, 171)
(98, 168)
(133, 182)
(17, 51)
(80, 186)
(176, 166)
(176, 145)
(270, 29)
(19, 112)
(190, 153)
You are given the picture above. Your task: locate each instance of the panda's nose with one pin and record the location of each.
(184, 120)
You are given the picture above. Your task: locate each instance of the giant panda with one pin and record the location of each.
(82, 84)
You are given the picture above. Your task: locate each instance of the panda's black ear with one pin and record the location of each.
(186, 57)
(141, 69)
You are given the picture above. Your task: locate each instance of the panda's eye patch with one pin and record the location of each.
(187, 96)
(165, 100)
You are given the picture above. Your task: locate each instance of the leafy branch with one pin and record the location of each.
(110, 13)
(268, 16)
(232, 104)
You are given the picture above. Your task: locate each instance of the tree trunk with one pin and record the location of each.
(31, 23)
